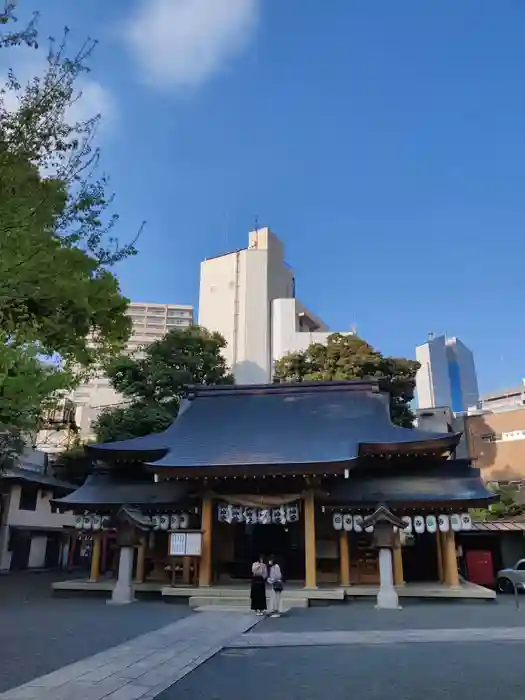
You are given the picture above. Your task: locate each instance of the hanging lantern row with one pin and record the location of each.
(92, 522)
(165, 522)
(252, 516)
(419, 523)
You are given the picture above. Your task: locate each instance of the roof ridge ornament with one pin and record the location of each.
(383, 514)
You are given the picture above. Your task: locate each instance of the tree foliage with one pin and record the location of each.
(56, 229)
(350, 357)
(27, 388)
(58, 296)
(511, 504)
(153, 381)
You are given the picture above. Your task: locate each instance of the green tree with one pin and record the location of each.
(56, 230)
(58, 295)
(153, 381)
(28, 386)
(349, 357)
(511, 504)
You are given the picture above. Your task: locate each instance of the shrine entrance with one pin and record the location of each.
(286, 542)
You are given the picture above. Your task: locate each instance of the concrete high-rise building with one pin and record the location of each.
(249, 297)
(447, 376)
(150, 322)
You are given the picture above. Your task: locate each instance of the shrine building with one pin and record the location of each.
(293, 470)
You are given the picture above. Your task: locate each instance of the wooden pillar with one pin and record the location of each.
(309, 541)
(450, 563)
(141, 561)
(205, 568)
(344, 559)
(95, 557)
(439, 540)
(399, 577)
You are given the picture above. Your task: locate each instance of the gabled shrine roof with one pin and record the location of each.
(308, 423)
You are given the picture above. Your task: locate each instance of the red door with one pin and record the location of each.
(479, 567)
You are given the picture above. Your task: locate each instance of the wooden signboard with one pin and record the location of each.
(185, 544)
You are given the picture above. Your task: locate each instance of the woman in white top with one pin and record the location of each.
(275, 579)
(258, 587)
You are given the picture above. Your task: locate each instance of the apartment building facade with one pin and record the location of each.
(150, 322)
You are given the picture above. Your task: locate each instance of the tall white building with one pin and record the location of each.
(150, 322)
(249, 297)
(447, 376)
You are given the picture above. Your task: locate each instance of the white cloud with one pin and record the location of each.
(182, 43)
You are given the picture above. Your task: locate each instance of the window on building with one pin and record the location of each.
(28, 498)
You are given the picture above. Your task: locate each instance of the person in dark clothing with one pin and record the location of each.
(258, 587)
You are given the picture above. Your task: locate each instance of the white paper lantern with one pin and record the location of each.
(443, 523)
(88, 522)
(408, 526)
(264, 516)
(184, 521)
(279, 516)
(369, 529)
(106, 520)
(79, 522)
(455, 522)
(174, 521)
(466, 521)
(358, 523)
(164, 522)
(237, 514)
(348, 522)
(97, 522)
(431, 523)
(419, 524)
(292, 514)
(155, 522)
(337, 521)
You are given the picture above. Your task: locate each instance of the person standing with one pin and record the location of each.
(258, 587)
(275, 579)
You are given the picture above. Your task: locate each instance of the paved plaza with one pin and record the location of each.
(82, 649)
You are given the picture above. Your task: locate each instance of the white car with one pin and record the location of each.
(507, 579)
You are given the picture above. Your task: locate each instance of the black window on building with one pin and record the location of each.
(28, 498)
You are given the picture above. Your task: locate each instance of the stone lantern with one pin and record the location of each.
(384, 522)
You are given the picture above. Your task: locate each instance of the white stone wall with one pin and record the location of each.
(41, 517)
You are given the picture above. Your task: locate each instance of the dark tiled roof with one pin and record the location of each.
(287, 424)
(447, 482)
(307, 423)
(498, 526)
(32, 477)
(104, 490)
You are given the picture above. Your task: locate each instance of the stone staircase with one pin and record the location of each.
(239, 600)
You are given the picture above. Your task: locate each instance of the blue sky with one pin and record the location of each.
(382, 141)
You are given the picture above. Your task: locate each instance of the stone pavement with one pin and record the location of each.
(375, 637)
(142, 667)
(40, 634)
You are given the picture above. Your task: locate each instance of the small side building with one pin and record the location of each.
(33, 533)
